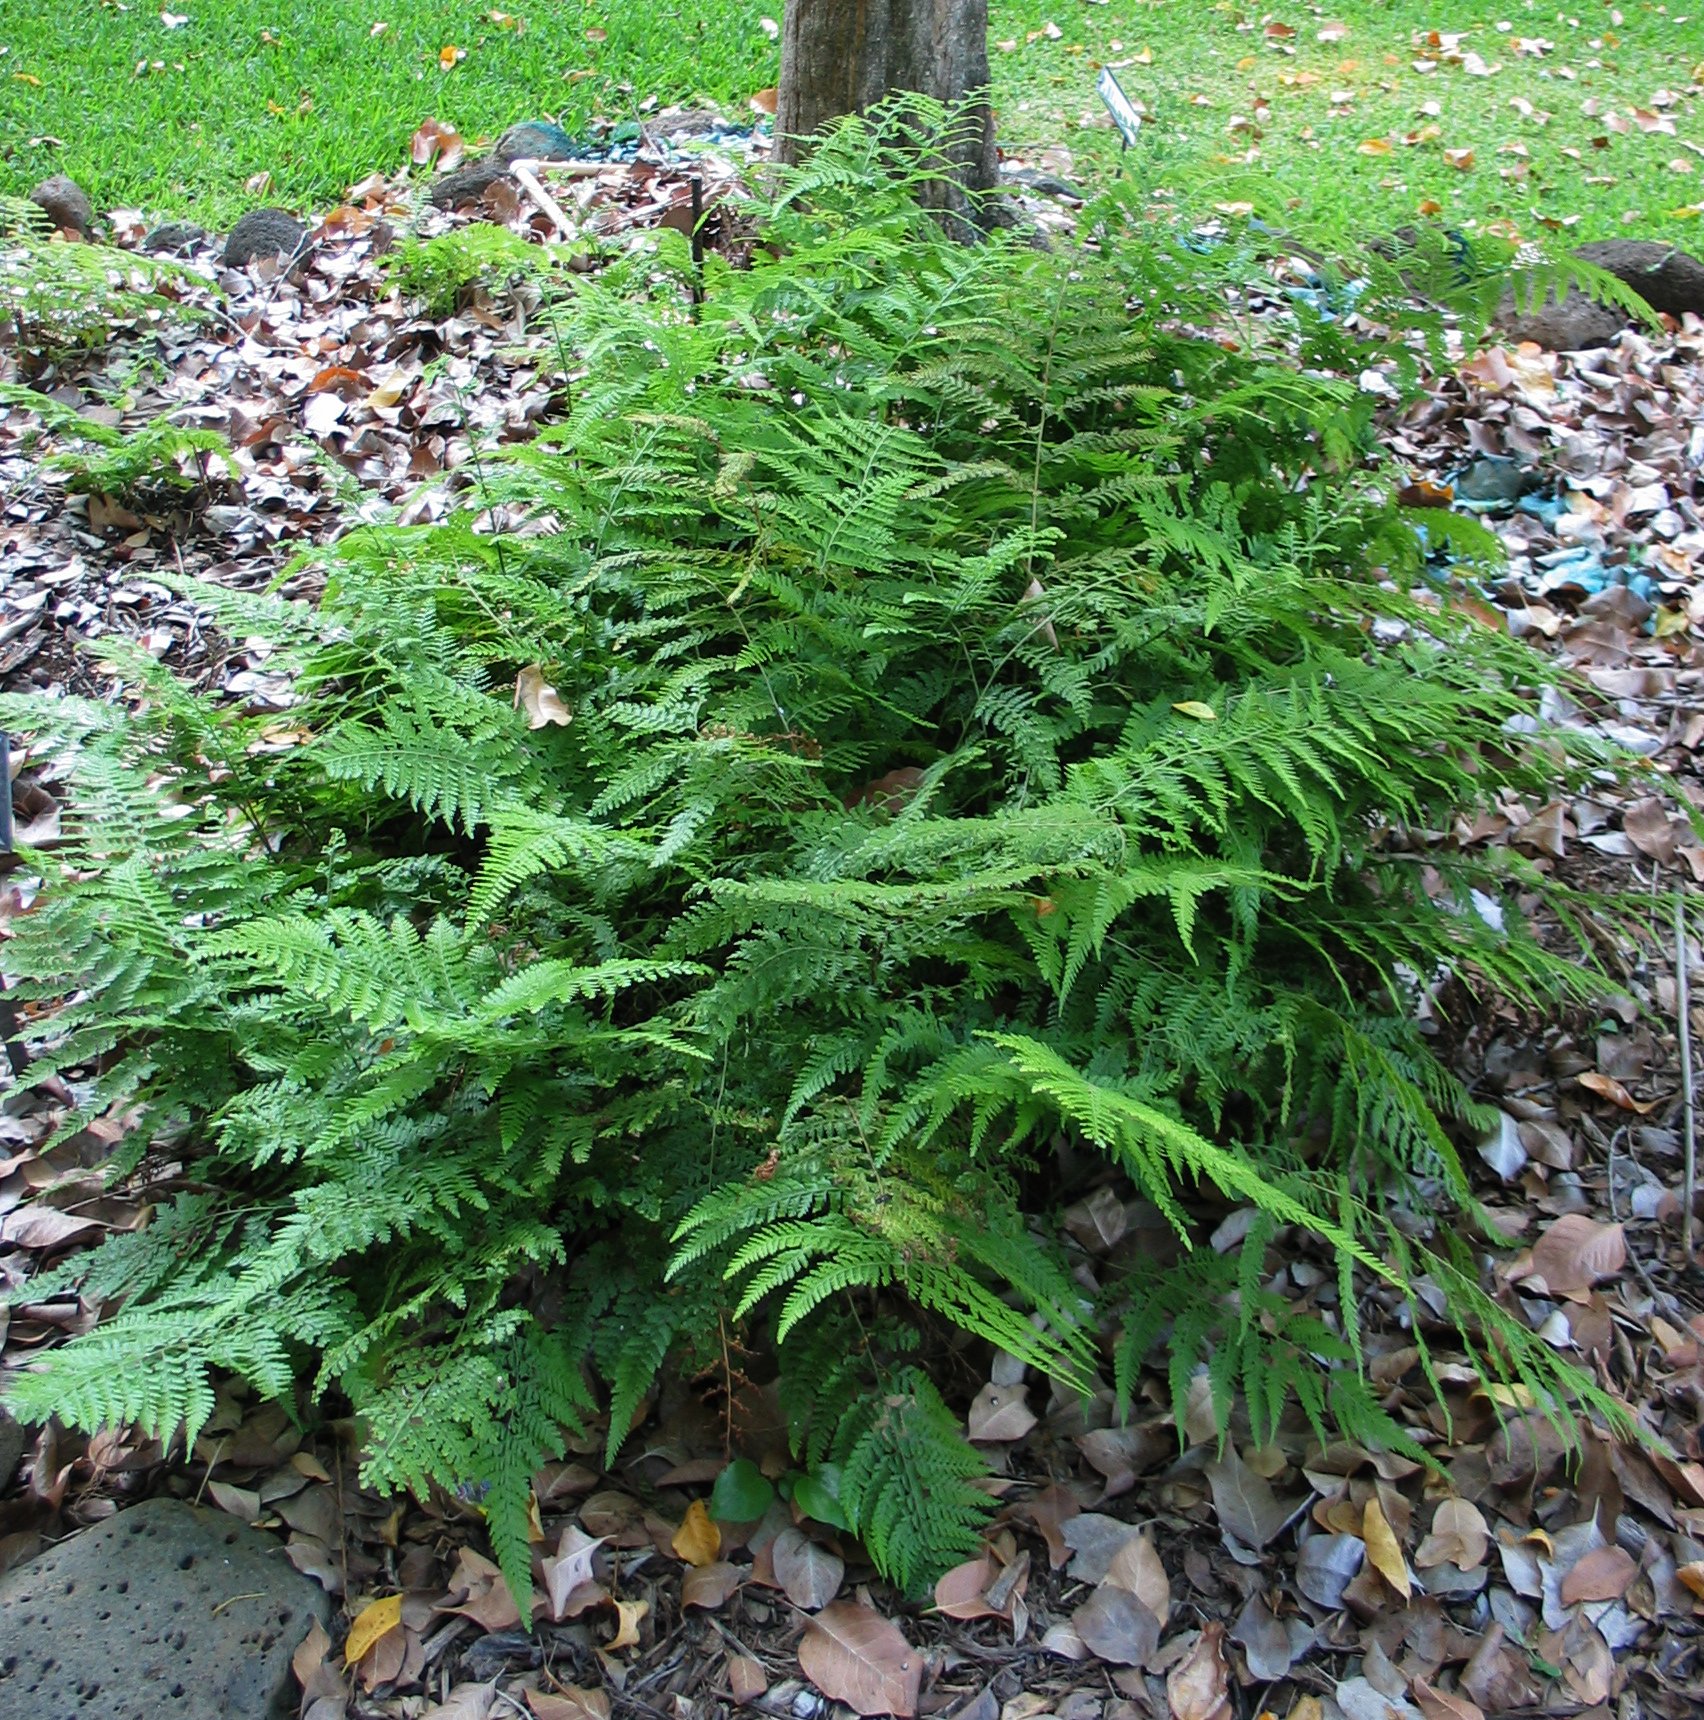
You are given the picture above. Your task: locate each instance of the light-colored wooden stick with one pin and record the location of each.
(523, 171)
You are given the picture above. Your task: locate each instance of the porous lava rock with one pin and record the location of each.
(172, 239)
(536, 140)
(263, 233)
(161, 1610)
(468, 184)
(67, 205)
(1668, 279)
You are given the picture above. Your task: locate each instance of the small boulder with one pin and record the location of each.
(467, 184)
(1567, 324)
(536, 140)
(162, 1609)
(1665, 278)
(67, 205)
(264, 233)
(172, 239)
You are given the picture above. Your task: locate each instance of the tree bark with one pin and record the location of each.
(844, 56)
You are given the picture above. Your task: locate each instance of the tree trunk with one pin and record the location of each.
(844, 56)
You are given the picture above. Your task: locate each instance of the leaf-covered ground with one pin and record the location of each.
(1133, 1571)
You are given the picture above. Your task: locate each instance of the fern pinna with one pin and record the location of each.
(970, 741)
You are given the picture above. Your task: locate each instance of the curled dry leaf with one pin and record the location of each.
(1607, 1087)
(1197, 1687)
(569, 1568)
(962, 1592)
(630, 1615)
(854, 1655)
(541, 702)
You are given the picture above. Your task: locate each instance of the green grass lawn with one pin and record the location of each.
(1587, 122)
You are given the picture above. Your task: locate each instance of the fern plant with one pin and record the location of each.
(61, 298)
(100, 459)
(967, 739)
(439, 271)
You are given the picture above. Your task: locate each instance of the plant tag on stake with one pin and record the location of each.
(1124, 112)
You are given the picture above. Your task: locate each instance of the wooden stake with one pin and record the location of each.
(523, 171)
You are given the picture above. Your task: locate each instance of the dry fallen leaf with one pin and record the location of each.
(854, 1655)
(1444, 1704)
(697, 1541)
(962, 1592)
(569, 1703)
(1247, 1506)
(1115, 1625)
(465, 1702)
(999, 1413)
(373, 1621)
(1607, 1087)
(746, 1678)
(1459, 1537)
(630, 1615)
(1136, 1566)
(1197, 1687)
(1575, 1252)
(709, 1586)
(541, 702)
(1603, 1574)
(1383, 1548)
(809, 1574)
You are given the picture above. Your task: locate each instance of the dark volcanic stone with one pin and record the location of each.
(11, 1449)
(1568, 324)
(172, 238)
(66, 203)
(536, 140)
(1667, 279)
(264, 233)
(468, 184)
(161, 1610)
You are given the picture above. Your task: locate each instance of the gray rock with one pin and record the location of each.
(536, 140)
(264, 233)
(11, 1449)
(172, 238)
(66, 203)
(1667, 279)
(1567, 324)
(468, 184)
(161, 1610)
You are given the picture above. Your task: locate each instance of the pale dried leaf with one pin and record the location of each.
(998, 1414)
(1245, 1502)
(1197, 1687)
(1383, 1548)
(1576, 1251)
(709, 1586)
(809, 1574)
(1604, 1574)
(1117, 1627)
(853, 1655)
(1136, 1566)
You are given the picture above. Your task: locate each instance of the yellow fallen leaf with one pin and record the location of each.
(1194, 708)
(1373, 146)
(1382, 1548)
(378, 1618)
(697, 1541)
(631, 1613)
(449, 54)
